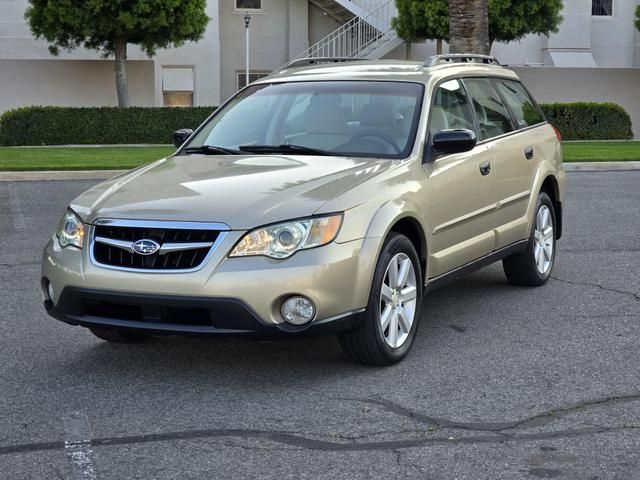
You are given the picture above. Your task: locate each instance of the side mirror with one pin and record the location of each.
(180, 136)
(454, 141)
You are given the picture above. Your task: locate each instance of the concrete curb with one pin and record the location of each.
(45, 175)
(601, 166)
(113, 145)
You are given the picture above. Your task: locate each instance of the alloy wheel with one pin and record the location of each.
(543, 237)
(398, 299)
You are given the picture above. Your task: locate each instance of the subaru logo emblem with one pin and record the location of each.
(145, 247)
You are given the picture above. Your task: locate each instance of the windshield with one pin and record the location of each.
(351, 118)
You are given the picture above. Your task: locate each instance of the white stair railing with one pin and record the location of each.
(358, 37)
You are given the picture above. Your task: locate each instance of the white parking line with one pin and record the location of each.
(77, 445)
(15, 207)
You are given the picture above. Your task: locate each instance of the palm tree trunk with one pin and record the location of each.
(122, 82)
(469, 26)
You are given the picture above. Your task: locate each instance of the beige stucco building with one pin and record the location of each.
(207, 71)
(595, 55)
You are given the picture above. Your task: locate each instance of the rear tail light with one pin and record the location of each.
(558, 134)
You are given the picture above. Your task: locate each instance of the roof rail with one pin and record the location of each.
(300, 62)
(460, 58)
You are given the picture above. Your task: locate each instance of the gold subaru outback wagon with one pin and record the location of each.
(326, 198)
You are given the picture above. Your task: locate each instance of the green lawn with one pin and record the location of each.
(79, 158)
(120, 158)
(601, 151)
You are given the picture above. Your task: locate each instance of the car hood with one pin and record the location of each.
(240, 191)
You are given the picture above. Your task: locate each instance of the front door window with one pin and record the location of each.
(451, 108)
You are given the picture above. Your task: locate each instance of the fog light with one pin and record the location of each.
(52, 296)
(298, 310)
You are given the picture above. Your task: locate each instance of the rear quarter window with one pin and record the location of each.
(523, 107)
(492, 115)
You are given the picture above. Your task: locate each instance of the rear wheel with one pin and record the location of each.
(533, 266)
(391, 319)
(119, 336)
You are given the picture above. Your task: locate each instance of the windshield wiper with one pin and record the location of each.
(284, 148)
(212, 150)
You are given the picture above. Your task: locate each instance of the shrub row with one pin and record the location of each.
(589, 121)
(100, 125)
(110, 125)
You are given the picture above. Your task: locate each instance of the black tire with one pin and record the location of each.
(119, 336)
(521, 269)
(366, 344)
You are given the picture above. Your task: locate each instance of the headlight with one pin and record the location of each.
(284, 239)
(70, 231)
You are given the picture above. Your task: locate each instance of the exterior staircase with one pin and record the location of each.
(365, 32)
(334, 9)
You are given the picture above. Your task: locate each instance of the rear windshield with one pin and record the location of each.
(350, 118)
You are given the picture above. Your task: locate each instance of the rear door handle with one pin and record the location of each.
(485, 168)
(528, 153)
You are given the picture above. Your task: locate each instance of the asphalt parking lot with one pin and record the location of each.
(503, 382)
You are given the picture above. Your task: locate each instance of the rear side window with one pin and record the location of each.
(493, 117)
(520, 103)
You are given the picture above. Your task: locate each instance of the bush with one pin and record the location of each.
(589, 121)
(99, 125)
(111, 125)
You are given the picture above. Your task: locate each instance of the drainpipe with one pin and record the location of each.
(287, 47)
(247, 21)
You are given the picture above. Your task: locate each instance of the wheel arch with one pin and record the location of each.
(401, 217)
(411, 228)
(551, 187)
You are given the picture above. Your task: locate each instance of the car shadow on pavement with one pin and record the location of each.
(177, 356)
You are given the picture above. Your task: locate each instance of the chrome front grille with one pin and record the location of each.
(154, 246)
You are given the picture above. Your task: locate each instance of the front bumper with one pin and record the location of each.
(176, 315)
(227, 295)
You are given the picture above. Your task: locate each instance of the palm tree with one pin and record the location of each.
(469, 26)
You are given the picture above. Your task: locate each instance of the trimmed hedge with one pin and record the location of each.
(112, 125)
(589, 121)
(98, 125)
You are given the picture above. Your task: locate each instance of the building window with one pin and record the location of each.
(177, 99)
(245, 5)
(177, 86)
(253, 76)
(602, 8)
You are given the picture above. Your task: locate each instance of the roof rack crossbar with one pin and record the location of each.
(300, 62)
(460, 58)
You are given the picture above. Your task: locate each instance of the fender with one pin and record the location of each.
(383, 221)
(542, 173)
(391, 213)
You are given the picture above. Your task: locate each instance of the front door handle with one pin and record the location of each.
(485, 168)
(528, 153)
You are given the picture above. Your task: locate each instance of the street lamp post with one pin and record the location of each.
(247, 21)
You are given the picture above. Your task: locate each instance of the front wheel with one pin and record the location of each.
(533, 266)
(391, 319)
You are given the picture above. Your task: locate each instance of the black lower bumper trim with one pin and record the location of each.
(179, 315)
